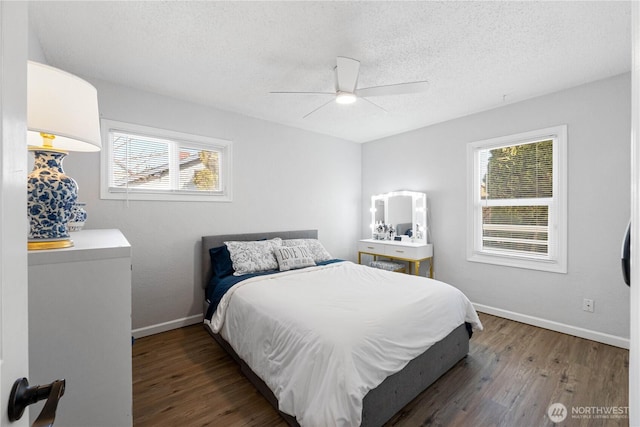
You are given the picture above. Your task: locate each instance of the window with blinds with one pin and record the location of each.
(142, 163)
(518, 200)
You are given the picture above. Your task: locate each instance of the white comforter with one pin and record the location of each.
(323, 336)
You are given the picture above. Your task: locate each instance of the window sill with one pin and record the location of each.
(166, 196)
(529, 264)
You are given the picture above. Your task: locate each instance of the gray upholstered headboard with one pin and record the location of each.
(209, 242)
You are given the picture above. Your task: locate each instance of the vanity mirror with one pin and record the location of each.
(399, 215)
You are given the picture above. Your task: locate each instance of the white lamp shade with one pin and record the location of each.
(64, 105)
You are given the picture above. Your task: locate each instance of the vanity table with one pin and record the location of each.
(414, 253)
(402, 214)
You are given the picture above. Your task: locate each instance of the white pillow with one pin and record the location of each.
(254, 256)
(318, 252)
(290, 257)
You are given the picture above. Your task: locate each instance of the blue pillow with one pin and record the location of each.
(221, 261)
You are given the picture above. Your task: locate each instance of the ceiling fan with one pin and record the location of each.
(347, 92)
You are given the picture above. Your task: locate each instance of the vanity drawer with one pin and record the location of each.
(409, 252)
(370, 247)
(401, 251)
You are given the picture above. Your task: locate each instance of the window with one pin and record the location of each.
(143, 163)
(517, 205)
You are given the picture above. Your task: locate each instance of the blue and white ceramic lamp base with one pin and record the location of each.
(51, 195)
(78, 217)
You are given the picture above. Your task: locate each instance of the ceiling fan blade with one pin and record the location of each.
(306, 93)
(394, 89)
(374, 104)
(347, 70)
(310, 113)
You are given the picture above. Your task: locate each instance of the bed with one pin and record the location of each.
(378, 390)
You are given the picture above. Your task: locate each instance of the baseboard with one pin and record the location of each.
(166, 326)
(555, 326)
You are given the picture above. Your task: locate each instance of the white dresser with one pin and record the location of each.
(414, 253)
(80, 328)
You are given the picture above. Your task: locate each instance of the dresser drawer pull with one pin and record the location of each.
(399, 252)
(370, 247)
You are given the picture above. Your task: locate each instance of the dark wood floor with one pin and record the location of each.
(512, 373)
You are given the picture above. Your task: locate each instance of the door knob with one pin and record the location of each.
(23, 395)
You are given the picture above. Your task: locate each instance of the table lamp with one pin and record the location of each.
(62, 116)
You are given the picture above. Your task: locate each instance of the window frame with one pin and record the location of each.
(181, 139)
(556, 260)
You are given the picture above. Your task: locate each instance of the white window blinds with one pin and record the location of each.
(517, 206)
(139, 164)
(516, 191)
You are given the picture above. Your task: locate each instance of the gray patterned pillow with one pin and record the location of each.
(318, 252)
(290, 257)
(251, 257)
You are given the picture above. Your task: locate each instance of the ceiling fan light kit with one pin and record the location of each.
(345, 98)
(347, 71)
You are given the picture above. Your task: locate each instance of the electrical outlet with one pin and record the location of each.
(588, 305)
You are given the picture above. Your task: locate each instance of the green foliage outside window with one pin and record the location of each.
(518, 172)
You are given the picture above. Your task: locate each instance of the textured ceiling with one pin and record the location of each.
(230, 55)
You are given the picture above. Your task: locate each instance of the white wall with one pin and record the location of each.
(433, 159)
(283, 179)
(274, 191)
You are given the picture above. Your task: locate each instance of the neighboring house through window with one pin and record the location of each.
(517, 201)
(144, 163)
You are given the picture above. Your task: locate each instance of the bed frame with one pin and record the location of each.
(396, 391)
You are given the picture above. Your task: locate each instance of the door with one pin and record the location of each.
(634, 339)
(14, 339)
